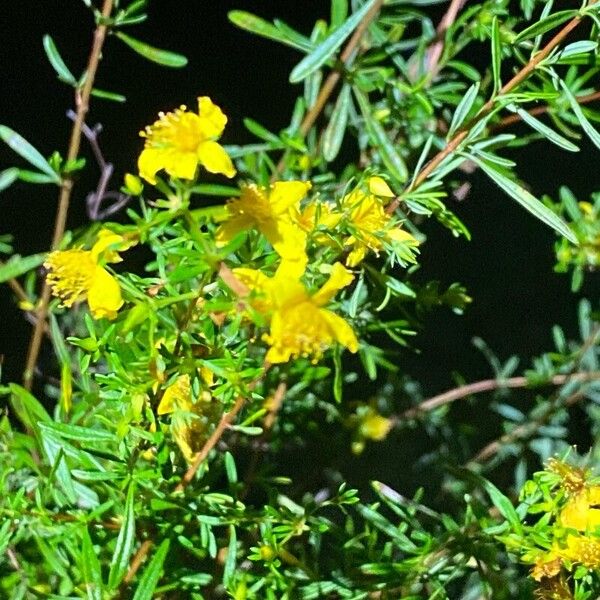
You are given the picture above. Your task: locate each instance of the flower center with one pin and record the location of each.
(71, 274)
(178, 130)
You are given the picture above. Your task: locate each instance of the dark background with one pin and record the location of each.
(507, 267)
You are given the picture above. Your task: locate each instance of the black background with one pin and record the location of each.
(507, 267)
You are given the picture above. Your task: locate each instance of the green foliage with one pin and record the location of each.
(160, 458)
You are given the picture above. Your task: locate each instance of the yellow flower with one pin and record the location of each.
(299, 325)
(374, 426)
(181, 140)
(190, 420)
(317, 215)
(546, 565)
(579, 513)
(270, 211)
(584, 550)
(372, 227)
(76, 274)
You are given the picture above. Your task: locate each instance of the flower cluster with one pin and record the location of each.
(566, 540)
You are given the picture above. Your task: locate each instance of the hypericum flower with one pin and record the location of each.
(299, 324)
(580, 512)
(584, 550)
(546, 565)
(270, 211)
(181, 140)
(372, 227)
(190, 420)
(317, 215)
(78, 274)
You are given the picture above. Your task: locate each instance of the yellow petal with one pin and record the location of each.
(253, 279)
(379, 187)
(149, 164)
(287, 194)
(178, 396)
(399, 235)
(288, 240)
(181, 164)
(357, 255)
(339, 278)
(230, 228)
(214, 159)
(290, 269)
(212, 119)
(107, 242)
(104, 296)
(575, 514)
(341, 330)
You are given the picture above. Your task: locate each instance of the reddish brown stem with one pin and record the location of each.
(461, 135)
(64, 198)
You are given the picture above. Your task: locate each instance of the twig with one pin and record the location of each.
(461, 135)
(526, 429)
(334, 76)
(66, 188)
(434, 53)
(488, 385)
(137, 560)
(211, 442)
(540, 110)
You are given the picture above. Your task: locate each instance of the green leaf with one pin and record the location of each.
(230, 468)
(463, 109)
(338, 377)
(8, 177)
(57, 62)
(261, 132)
(23, 148)
(336, 128)
(157, 55)
(546, 131)
(18, 265)
(527, 200)
(112, 96)
(339, 12)
(550, 22)
(256, 25)
(504, 505)
(583, 121)
(151, 575)
(496, 55)
(325, 50)
(379, 140)
(90, 568)
(229, 568)
(125, 542)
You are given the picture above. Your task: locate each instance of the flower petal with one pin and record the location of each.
(230, 228)
(181, 164)
(150, 163)
(340, 330)
(214, 159)
(379, 187)
(286, 194)
(104, 296)
(212, 119)
(339, 278)
(288, 240)
(357, 255)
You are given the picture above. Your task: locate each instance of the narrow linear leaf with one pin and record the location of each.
(23, 148)
(249, 22)
(325, 50)
(336, 128)
(151, 575)
(527, 200)
(379, 139)
(114, 97)
(58, 64)
(496, 55)
(125, 541)
(157, 55)
(18, 265)
(585, 124)
(339, 12)
(260, 131)
(463, 109)
(544, 25)
(35, 177)
(229, 568)
(504, 505)
(90, 568)
(546, 131)
(8, 177)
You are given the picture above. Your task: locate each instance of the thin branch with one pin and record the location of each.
(488, 385)
(434, 53)
(540, 110)
(82, 103)
(137, 560)
(335, 75)
(462, 134)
